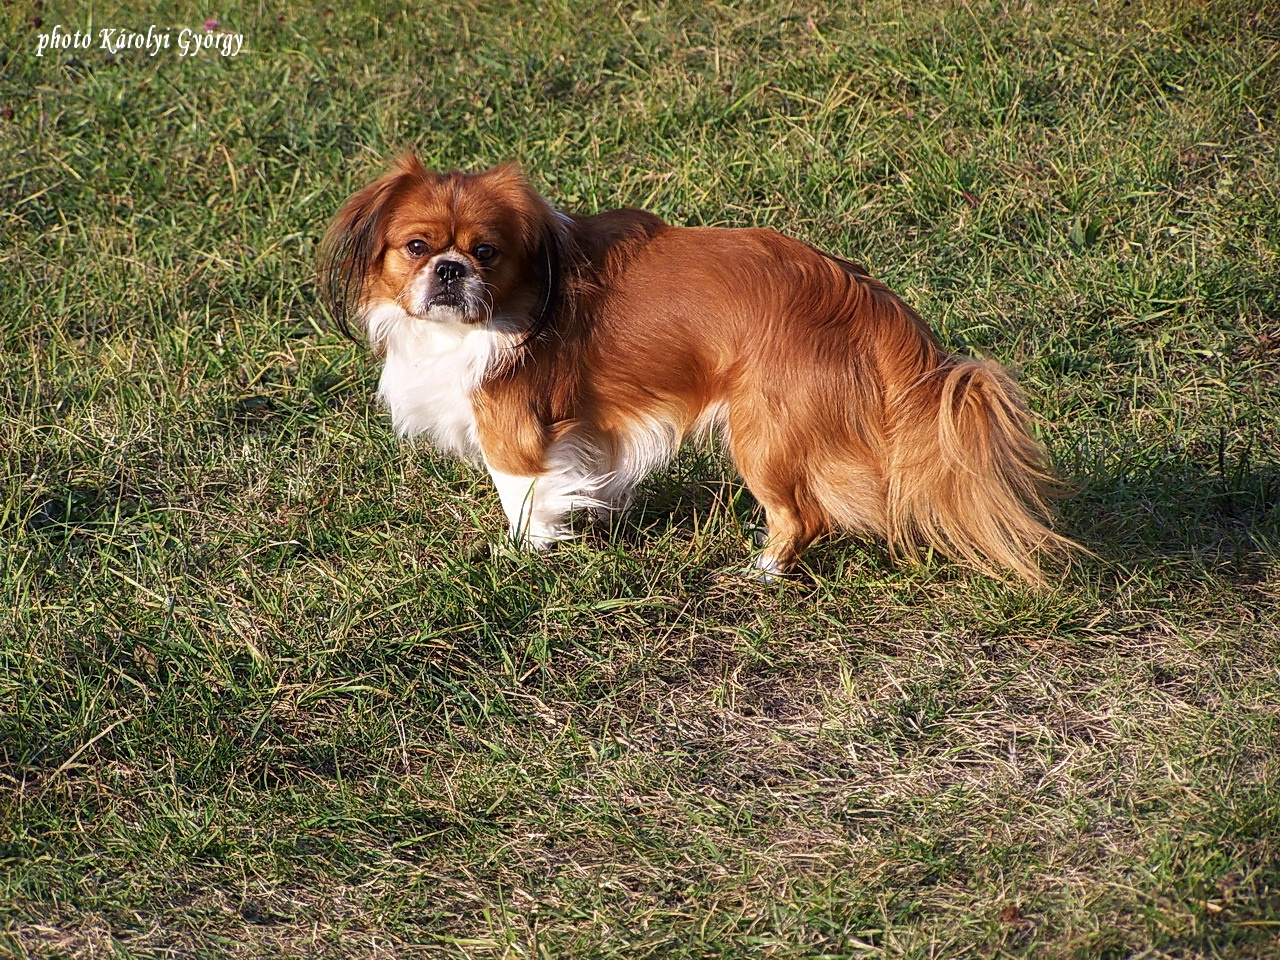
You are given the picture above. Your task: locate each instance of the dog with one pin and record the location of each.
(573, 354)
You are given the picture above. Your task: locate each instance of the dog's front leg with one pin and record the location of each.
(533, 523)
(520, 450)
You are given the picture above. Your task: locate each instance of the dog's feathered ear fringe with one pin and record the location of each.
(353, 243)
(545, 244)
(549, 259)
(350, 247)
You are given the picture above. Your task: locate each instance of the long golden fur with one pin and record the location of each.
(586, 348)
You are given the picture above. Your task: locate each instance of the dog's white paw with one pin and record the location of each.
(540, 537)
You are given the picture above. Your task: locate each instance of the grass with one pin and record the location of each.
(270, 687)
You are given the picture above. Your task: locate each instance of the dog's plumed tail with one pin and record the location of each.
(965, 476)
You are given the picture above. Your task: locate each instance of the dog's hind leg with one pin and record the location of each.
(775, 477)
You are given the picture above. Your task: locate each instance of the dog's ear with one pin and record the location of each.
(548, 261)
(354, 244)
(544, 241)
(543, 238)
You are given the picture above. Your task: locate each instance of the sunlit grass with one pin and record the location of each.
(270, 685)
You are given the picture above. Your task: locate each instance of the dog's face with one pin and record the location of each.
(450, 248)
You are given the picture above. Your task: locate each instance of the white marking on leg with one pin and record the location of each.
(581, 474)
(533, 523)
(516, 495)
(769, 565)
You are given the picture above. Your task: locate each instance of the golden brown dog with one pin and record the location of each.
(573, 354)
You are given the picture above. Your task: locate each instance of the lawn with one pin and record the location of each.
(272, 686)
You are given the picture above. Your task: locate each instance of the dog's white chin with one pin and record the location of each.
(446, 313)
(388, 319)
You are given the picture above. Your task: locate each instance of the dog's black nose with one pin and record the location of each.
(450, 270)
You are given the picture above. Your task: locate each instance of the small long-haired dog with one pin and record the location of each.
(573, 354)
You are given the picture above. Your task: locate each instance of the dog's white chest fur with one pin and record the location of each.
(430, 372)
(432, 369)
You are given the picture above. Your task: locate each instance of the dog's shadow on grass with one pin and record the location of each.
(1180, 511)
(1191, 510)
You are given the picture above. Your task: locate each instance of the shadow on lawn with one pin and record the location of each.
(1177, 511)
(1225, 518)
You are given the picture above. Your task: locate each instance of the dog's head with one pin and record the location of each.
(443, 247)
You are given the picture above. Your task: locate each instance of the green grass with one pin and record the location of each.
(270, 687)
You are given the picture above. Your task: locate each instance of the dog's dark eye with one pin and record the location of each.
(416, 247)
(485, 252)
